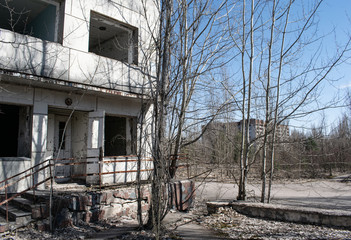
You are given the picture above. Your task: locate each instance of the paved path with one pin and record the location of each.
(326, 194)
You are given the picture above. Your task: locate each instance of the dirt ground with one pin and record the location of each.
(226, 223)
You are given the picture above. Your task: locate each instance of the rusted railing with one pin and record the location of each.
(100, 164)
(55, 162)
(32, 171)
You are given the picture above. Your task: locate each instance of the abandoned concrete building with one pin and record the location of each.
(256, 130)
(71, 89)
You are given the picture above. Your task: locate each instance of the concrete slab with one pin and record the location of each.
(331, 218)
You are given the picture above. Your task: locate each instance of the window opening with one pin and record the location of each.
(15, 127)
(115, 136)
(62, 135)
(37, 18)
(112, 39)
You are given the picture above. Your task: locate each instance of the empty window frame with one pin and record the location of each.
(15, 127)
(120, 136)
(113, 39)
(38, 18)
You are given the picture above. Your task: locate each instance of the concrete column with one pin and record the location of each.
(95, 142)
(39, 136)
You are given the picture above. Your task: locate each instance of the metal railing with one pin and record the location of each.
(47, 167)
(30, 172)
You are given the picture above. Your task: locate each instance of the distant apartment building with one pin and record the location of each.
(71, 84)
(256, 130)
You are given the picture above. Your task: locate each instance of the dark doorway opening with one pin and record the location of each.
(9, 120)
(16, 130)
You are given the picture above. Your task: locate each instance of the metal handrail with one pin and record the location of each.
(28, 175)
(39, 169)
(16, 175)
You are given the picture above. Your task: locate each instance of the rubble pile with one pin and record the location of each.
(238, 226)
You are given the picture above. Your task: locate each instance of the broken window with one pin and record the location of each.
(15, 127)
(112, 39)
(120, 135)
(39, 18)
(62, 135)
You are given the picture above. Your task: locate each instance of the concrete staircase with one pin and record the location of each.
(24, 210)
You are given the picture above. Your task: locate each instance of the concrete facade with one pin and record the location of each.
(58, 92)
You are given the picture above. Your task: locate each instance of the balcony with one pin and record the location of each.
(29, 55)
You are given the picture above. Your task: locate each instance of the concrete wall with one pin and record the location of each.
(71, 61)
(41, 101)
(12, 166)
(124, 164)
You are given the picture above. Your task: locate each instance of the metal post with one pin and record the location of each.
(100, 161)
(51, 194)
(33, 183)
(187, 165)
(7, 204)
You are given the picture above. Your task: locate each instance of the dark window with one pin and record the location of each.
(115, 136)
(112, 39)
(15, 127)
(38, 18)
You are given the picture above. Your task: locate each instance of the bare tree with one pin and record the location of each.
(189, 47)
(278, 69)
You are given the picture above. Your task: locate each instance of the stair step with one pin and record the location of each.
(38, 197)
(21, 217)
(22, 203)
(39, 210)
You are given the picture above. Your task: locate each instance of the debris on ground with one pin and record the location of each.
(238, 226)
(226, 221)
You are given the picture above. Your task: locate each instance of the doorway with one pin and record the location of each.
(60, 145)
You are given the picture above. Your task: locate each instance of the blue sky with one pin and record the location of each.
(333, 14)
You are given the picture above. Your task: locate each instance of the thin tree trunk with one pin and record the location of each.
(242, 187)
(184, 46)
(267, 118)
(139, 192)
(275, 119)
